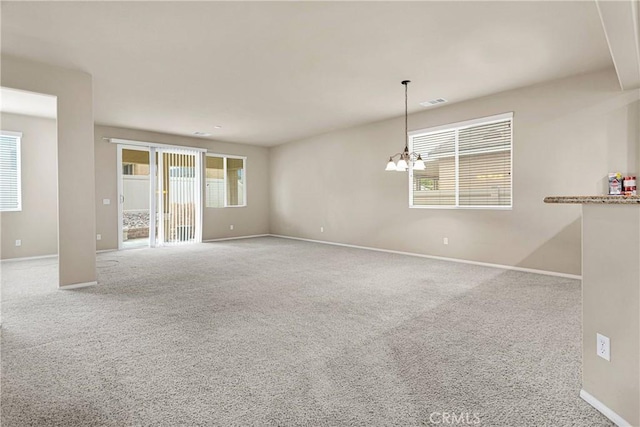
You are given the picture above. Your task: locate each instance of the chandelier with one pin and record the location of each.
(404, 158)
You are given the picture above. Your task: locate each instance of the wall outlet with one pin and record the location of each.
(322, 229)
(98, 236)
(603, 348)
(445, 240)
(106, 201)
(18, 242)
(231, 227)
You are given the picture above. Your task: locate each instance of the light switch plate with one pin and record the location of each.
(106, 201)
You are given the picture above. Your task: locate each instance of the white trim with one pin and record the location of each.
(492, 208)
(106, 250)
(456, 165)
(604, 410)
(239, 237)
(17, 136)
(29, 258)
(199, 175)
(463, 261)
(119, 189)
(231, 156)
(153, 196)
(224, 158)
(153, 144)
(77, 285)
(11, 133)
(463, 124)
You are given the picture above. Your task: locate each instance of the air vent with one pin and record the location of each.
(202, 134)
(433, 102)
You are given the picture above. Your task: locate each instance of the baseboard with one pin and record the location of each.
(236, 238)
(29, 258)
(604, 410)
(77, 286)
(463, 261)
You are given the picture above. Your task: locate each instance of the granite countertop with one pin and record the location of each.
(611, 200)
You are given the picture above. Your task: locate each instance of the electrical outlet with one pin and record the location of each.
(445, 240)
(18, 242)
(98, 236)
(603, 348)
(231, 227)
(106, 201)
(322, 229)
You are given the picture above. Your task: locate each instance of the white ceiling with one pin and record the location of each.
(27, 103)
(270, 72)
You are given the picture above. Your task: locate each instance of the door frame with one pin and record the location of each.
(152, 191)
(155, 175)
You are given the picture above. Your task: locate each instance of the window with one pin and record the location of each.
(10, 179)
(225, 181)
(468, 164)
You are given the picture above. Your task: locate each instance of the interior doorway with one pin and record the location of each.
(160, 196)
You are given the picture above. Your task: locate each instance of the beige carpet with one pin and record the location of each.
(270, 331)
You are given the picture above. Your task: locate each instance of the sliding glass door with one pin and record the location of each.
(135, 197)
(179, 201)
(160, 199)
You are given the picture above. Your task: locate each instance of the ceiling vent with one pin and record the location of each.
(433, 102)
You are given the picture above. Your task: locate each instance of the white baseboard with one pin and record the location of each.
(463, 261)
(602, 408)
(77, 285)
(30, 258)
(106, 250)
(236, 238)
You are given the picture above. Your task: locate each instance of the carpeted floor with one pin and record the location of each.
(271, 331)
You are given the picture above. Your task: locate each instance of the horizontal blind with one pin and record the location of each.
(10, 179)
(484, 164)
(436, 184)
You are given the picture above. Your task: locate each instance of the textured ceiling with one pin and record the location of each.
(270, 72)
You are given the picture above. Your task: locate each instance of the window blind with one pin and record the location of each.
(10, 177)
(484, 165)
(468, 164)
(436, 185)
(180, 196)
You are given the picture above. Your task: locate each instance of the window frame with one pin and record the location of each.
(224, 174)
(18, 138)
(457, 126)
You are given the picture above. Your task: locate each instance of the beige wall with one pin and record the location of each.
(250, 220)
(76, 187)
(36, 225)
(611, 306)
(568, 134)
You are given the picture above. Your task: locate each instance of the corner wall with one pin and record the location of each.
(36, 225)
(76, 185)
(568, 134)
(249, 220)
